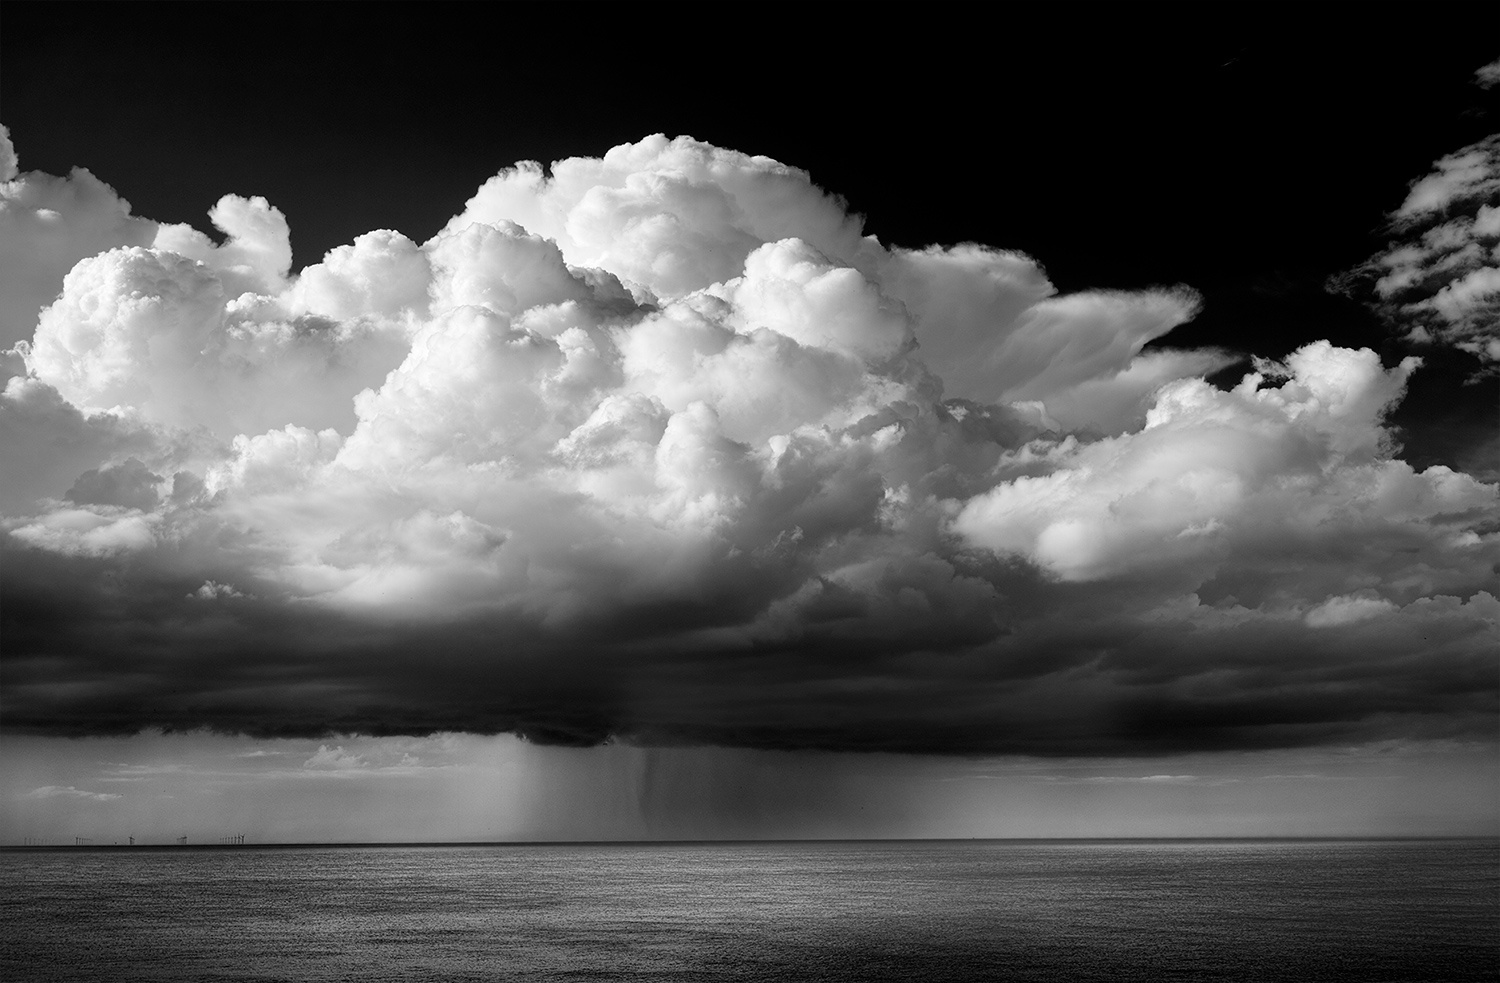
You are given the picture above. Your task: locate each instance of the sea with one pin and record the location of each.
(1002, 910)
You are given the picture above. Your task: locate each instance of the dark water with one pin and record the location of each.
(1305, 911)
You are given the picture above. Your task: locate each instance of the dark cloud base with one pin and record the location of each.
(83, 657)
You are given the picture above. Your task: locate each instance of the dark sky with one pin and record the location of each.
(1121, 139)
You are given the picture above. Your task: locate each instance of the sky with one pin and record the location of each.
(1078, 426)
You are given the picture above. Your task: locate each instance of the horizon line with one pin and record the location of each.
(357, 844)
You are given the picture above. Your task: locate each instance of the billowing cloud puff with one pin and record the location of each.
(10, 166)
(666, 216)
(47, 224)
(662, 446)
(381, 274)
(127, 319)
(154, 333)
(1211, 467)
(257, 255)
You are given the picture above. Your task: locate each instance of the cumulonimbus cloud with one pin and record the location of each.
(663, 446)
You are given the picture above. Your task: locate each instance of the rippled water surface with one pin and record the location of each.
(1365, 911)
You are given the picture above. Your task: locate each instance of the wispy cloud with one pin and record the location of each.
(1438, 279)
(69, 792)
(1488, 76)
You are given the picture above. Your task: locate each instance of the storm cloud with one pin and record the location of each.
(664, 447)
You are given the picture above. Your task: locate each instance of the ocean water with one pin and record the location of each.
(847, 911)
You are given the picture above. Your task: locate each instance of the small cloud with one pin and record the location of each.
(86, 532)
(212, 590)
(9, 164)
(333, 759)
(130, 485)
(68, 792)
(1487, 76)
(1148, 780)
(1347, 610)
(1132, 780)
(1316, 777)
